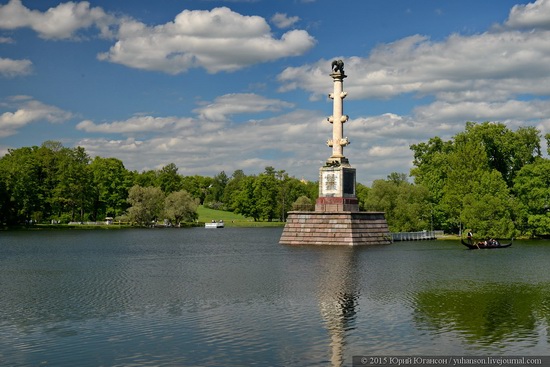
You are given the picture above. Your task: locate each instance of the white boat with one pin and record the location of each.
(214, 224)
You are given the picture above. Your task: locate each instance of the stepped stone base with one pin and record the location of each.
(335, 228)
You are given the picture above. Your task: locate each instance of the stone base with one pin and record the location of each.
(327, 204)
(336, 228)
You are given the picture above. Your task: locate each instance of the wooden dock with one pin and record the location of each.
(416, 236)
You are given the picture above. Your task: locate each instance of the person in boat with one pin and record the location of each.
(470, 235)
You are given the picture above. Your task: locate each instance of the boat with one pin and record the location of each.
(482, 245)
(214, 224)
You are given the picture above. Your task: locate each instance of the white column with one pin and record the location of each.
(338, 118)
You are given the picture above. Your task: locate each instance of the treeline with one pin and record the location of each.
(46, 183)
(487, 178)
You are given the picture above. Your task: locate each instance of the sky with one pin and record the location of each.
(217, 86)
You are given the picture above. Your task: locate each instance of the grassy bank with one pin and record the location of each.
(206, 215)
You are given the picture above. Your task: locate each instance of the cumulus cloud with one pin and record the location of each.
(217, 40)
(29, 111)
(246, 146)
(135, 124)
(239, 103)
(11, 68)
(532, 15)
(61, 22)
(6, 40)
(510, 62)
(282, 20)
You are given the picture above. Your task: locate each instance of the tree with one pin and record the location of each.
(146, 203)
(532, 188)
(487, 208)
(22, 181)
(197, 186)
(303, 203)
(454, 169)
(506, 151)
(180, 206)
(265, 194)
(168, 179)
(111, 182)
(243, 199)
(465, 167)
(145, 178)
(406, 205)
(74, 188)
(215, 195)
(290, 189)
(233, 185)
(362, 194)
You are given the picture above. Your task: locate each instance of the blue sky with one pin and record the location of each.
(227, 85)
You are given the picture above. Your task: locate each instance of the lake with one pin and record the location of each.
(235, 297)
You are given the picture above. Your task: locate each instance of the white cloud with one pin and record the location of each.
(135, 125)
(29, 111)
(11, 68)
(248, 146)
(217, 40)
(510, 62)
(282, 20)
(480, 111)
(6, 40)
(61, 22)
(239, 103)
(532, 15)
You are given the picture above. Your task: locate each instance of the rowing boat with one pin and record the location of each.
(483, 245)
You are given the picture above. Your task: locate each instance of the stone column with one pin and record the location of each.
(338, 142)
(337, 177)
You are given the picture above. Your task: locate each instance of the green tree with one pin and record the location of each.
(180, 206)
(362, 194)
(506, 151)
(145, 178)
(290, 189)
(465, 167)
(532, 188)
(22, 180)
(430, 171)
(197, 186)
(488, 208)
(111, 182)
(265, 194)
(146, 204)
(49, 156)
(215, 196)
(233, 185)
(168, 179)
(406, 205)
(243, 198)
(303, 203)
(74, 189)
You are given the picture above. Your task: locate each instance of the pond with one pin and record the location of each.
(235, 297)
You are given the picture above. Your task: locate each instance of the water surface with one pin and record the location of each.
(235, 297)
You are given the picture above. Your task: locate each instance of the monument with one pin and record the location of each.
(337, 219)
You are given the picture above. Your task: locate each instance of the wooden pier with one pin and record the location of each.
(416, 236)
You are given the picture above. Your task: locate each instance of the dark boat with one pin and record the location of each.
(482, 245)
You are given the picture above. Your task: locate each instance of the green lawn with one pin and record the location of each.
(231, 219)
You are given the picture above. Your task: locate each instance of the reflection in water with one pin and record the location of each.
(493, 314)
(338, 296)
